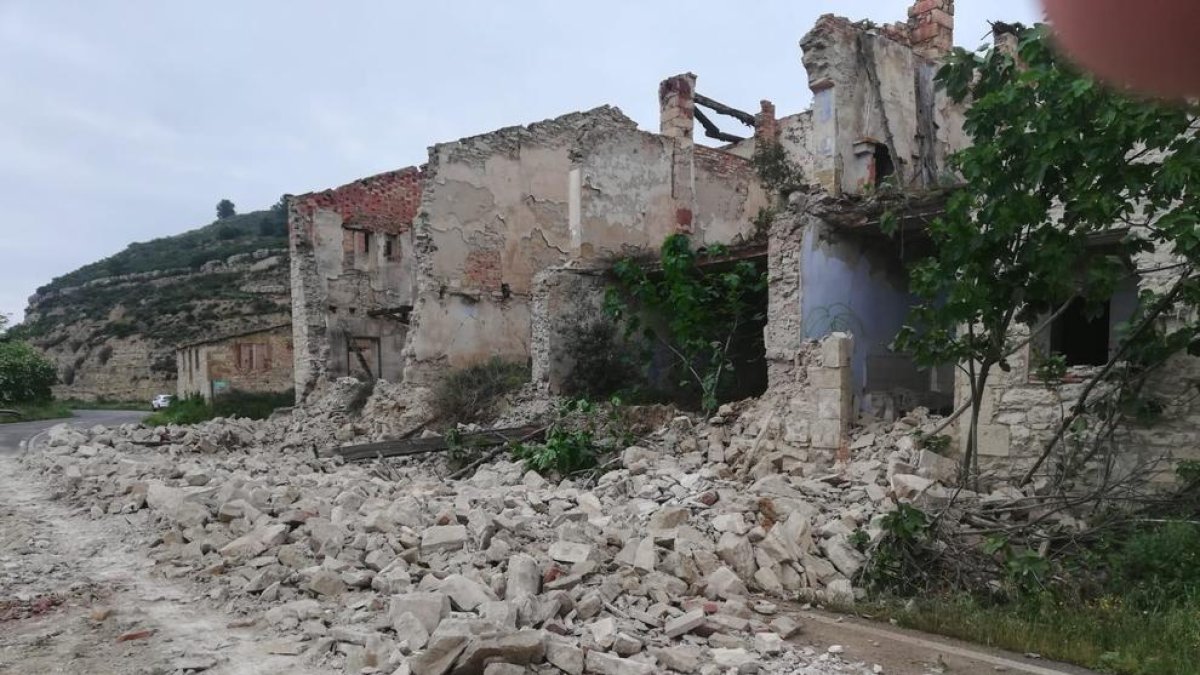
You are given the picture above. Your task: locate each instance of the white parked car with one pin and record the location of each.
(161, 401)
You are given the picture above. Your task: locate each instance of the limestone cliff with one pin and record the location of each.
(112, 326)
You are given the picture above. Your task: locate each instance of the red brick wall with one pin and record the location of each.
(483, 270)
(385, 203)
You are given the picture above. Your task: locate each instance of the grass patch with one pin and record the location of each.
(1107, 634)
(104, 404)
(51, 410)
(473, 394)
(195, 409)
(1126, 602)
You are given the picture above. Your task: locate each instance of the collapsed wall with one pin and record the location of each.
(353, 262)
(493, 214)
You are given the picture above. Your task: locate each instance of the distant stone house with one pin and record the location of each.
(254, 361)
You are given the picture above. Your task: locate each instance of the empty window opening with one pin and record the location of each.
(253, 357)
(390, 250)
(362, 358)
(1081, 334)
(364, 242)
(884, 166)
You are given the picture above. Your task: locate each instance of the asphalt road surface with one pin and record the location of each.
(11, 435)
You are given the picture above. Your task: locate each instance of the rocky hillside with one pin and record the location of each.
(112, 326)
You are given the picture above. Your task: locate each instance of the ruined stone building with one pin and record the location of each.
(258, 361)
(498, 241)
(412, 272)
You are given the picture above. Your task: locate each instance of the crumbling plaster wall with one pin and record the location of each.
(871, 89)
(346, 283)
(587, 187)
(728, 197)
(565, 299)
(627, 204)
(495, 212)
(823, 280)
(852, 285)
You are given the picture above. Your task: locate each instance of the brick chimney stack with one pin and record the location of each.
(677, 106)
(931, 27)
(766, 127)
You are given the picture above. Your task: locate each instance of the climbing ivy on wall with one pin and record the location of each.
(691, 312)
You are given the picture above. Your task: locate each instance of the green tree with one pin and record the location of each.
(1056, 160)
(25, 374)
(225, 209)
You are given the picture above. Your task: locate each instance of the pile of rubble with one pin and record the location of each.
(663, 564)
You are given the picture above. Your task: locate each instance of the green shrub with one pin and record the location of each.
(581, 432)
(195, 409)
(1160, 567)
(472, 394)
(692, 311)
(899, 561)
(256, 406)
(25, 374)
(601, 365)
(43, 410)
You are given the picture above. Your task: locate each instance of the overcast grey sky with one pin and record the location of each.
(126, 120)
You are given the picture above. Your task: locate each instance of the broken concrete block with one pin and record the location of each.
(603, 631)
(936, 467)
(611, 664)
(843, 555)
(410, 632)
(667, 518)
(569, 551)
(523, 578)
(684, 623)
(625, 644)
(681, 659)
(466, 594)
(444, 538)
(520, 648)
(736, 552)
(785, 626)
(564, 656)
(732, 658)
(724, 583)
(428, 608)
(326, 582)
(255, 542)
(504, 669)
(769, 644)
(909, 486)
(439, 656)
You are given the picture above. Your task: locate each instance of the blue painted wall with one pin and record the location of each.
(848, 285)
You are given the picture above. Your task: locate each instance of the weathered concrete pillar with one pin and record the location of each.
(677, 107)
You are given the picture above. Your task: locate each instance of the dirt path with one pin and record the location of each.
(909, 652)
(61, 572)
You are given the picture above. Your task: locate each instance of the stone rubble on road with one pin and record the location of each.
(664, 564)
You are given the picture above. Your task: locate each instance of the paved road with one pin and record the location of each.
(11, 435)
